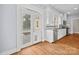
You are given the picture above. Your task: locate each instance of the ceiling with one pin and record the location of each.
(64, 8)
(70, 9)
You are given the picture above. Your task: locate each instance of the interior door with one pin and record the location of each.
(29, 27)
(36, 24)
(76, 26)
(26, 27)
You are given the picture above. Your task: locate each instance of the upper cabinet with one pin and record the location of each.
(54, 17)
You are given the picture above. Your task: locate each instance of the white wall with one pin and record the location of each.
(8, 27)
(70, 22)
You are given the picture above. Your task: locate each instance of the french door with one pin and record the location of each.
(28, 27)
(36, 28)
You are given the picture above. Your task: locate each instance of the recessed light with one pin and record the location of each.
(68, 12)
(75, 8)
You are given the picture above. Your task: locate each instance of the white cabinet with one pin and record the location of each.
(61, 33)
(50, 36)
(53, 35)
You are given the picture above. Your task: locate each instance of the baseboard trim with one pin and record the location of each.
(9, 51)
(76, 32)
(50, 41)
(43, 40)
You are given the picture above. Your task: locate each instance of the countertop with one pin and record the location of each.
(55, 28)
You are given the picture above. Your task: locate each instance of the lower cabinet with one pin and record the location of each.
(61, 33)
(53, 35)
(50, 36)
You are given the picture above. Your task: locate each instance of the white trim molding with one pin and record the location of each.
(9, 51)
(76, 32)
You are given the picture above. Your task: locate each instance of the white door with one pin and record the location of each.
(36, 28)
(76, 26)
(26, 27)
(27, 32)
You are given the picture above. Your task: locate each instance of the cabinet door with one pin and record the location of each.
(50, 35)
(64, 32)
(61, 33)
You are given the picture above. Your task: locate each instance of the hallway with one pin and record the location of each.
(68, 45)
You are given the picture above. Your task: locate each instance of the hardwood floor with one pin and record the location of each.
(71, 40)
(68, 45)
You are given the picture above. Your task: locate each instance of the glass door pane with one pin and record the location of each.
(26, 29)
(26, 23)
